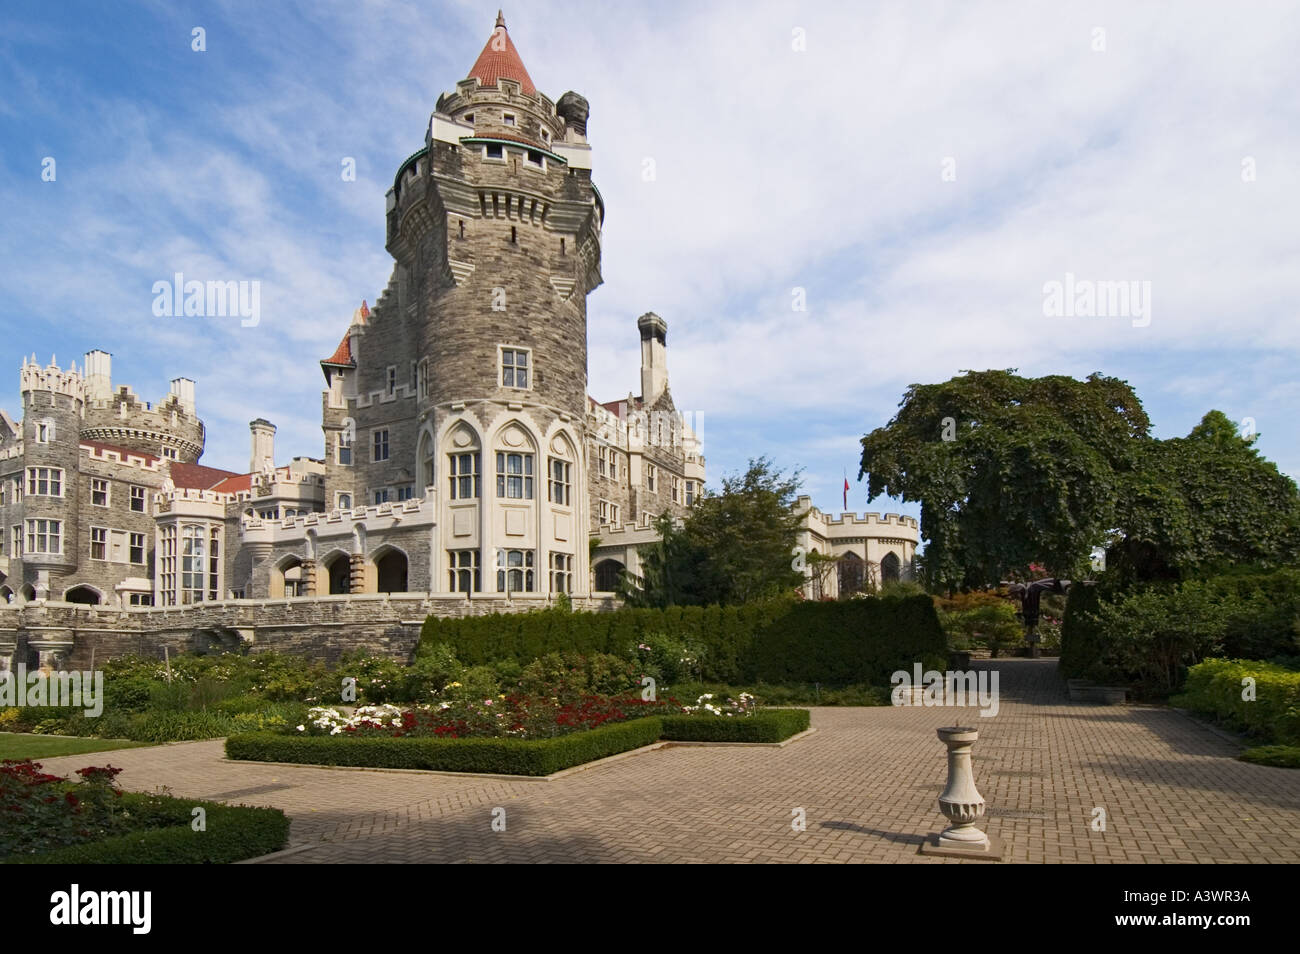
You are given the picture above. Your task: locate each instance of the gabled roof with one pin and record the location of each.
(500, 58)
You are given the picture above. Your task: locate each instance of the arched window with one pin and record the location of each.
(425, 463)
(891, 568)
(608, 574)
(852, 574)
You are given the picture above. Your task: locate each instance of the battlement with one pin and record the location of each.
(121, 455)
(51, 378)
(865, 520)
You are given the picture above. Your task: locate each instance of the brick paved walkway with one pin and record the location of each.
(867, 780)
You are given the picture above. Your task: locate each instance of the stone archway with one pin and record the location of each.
(84, 594)
(338, 570)
(852, 574)
(391, 571)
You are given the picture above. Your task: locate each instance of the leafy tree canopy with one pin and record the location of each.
(734, 546)
(1011, 471)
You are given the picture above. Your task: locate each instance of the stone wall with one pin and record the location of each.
(321, 629)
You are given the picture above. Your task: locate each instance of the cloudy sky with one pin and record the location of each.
(914, 172)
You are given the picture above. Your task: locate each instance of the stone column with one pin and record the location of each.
(308, 577)
(357, 573)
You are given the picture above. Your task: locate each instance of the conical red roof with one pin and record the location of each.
(500, 58)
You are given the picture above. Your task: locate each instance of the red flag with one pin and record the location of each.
(846, 492)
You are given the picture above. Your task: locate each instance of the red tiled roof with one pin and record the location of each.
(201, 477)
(342, 354)
(500, 58)
(234, 484)
(123, 452)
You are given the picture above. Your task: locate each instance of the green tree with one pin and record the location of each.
(735, 545)
(1200, 503)
(1008, 470)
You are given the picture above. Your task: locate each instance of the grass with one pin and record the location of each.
(18, 745)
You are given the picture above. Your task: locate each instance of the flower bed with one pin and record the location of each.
(518, 716)
(45, 819)
(506, 756)
(770, 725)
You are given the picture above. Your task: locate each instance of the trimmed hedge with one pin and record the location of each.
(1214, 687)
(770, 725)
(499, 756)
(832, 643)
(233, 833)
(1083, 644)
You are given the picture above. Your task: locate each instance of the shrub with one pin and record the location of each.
(1215, 688)
(770, 725)
(833, 643)
(496, 756)
(1279, 756)
(233, 833)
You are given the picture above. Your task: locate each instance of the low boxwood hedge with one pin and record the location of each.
(770, 725)
(500, 756)
(232, 833)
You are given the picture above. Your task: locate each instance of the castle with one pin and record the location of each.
(463, 459)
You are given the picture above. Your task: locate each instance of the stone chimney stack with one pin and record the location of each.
(99, 375)
(183, 390)
(654, 356)
(263, 455)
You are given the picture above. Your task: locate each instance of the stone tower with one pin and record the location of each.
(53, 407)
(468, 382)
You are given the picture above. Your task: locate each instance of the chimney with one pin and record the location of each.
(183, 390)
(654, 356)
(263, 434)
(99, 375)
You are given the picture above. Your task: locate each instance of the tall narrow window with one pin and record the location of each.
(381, 446)
(392, 381)
(138, 499)
(651, 472)
(464, 476)
(463, 571)
(559, 483)
(345, 449)
(98, 543)
(193, 564)
(515, 476)
(99, 492)
(561, 573)
(137, 548)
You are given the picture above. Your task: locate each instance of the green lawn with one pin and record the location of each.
(17, 745)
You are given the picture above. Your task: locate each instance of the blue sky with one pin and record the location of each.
(1115, 156)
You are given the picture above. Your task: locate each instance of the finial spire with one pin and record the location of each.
(501, 20)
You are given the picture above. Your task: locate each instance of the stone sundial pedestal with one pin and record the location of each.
(962, 804)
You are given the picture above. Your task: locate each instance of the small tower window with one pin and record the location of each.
(513, 235)
(493, 151)
(462, 228)
(561, 246)
(469, 117)
(535, 158)
(508, 118)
